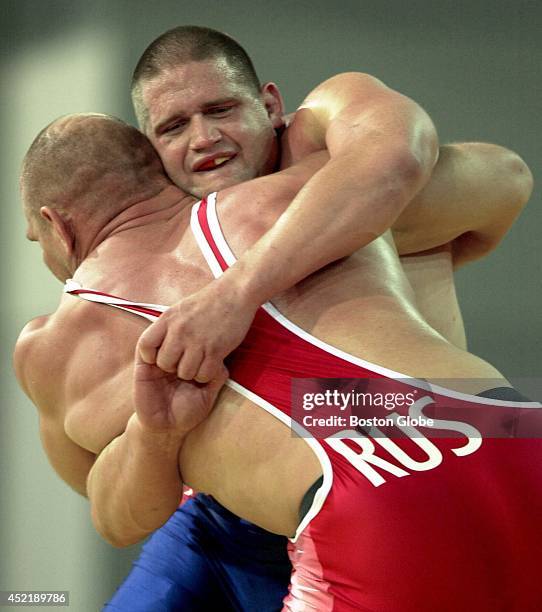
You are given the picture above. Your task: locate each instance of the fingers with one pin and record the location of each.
(150, 341)
(189, 364)
(218, 381)
(195, 365)
(159, 345)
(209, 369)
(170, 353)
(164, 345)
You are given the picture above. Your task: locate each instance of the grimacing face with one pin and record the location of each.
(210, 129)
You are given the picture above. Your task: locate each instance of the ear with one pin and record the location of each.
(60, 227)
(273, 104)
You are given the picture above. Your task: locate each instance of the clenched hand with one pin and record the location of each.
(167, 404)
(192, 338)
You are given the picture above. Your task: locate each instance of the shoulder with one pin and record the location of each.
(27, 347)
(41, 335)
(41, 348)
(344, 107)
(347, 79)
(344, 87)
(50, 350)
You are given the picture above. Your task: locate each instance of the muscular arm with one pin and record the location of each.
(135, 484)
(33, 360)
(382, 149)
(126, 463)
(476, 192)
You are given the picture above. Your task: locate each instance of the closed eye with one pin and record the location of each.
(218, 110)
(173, 127)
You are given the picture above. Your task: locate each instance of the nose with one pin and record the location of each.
(203, 133)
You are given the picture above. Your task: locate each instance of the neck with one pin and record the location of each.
(274, 160)
(166, 204)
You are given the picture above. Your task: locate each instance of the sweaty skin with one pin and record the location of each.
(87, 412)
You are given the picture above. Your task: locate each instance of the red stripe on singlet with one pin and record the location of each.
(204, 224)
(143, 309)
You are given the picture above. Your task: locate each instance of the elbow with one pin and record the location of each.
(422, 153)
(119, 543)
(512, 180)
(118, 538)
(520, 181)
(414, 159)
(511, 176)
(408, 166)
(409, 171)
(412, 167)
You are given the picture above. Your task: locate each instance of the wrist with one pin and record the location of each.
(157, 442)
(246, 291)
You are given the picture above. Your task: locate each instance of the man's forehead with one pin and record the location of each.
(190, 87)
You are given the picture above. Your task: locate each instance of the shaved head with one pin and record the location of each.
(89, 162)
(185, 44)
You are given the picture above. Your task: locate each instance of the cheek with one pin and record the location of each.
(257, 152)
(173, 161)
(171, 153)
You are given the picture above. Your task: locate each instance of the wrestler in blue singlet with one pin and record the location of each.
(206, 559)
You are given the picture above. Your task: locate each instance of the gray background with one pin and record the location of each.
(476, 66)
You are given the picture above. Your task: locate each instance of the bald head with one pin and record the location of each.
(90, 163)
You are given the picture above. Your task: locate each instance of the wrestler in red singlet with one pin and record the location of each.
(410, 523)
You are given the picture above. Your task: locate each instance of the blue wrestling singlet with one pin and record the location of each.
(206, 559)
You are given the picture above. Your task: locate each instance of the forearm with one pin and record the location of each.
(335, 213)
(473, 197)
(135, 484)
(382, 149)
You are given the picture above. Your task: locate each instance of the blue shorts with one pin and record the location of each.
(205, 559)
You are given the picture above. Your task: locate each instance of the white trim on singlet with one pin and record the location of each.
(92, 295)
(210, 258)
(322, 492)
(216, 231)
(230, 259)
(323, 458)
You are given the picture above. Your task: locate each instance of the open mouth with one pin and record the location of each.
(214, 163)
